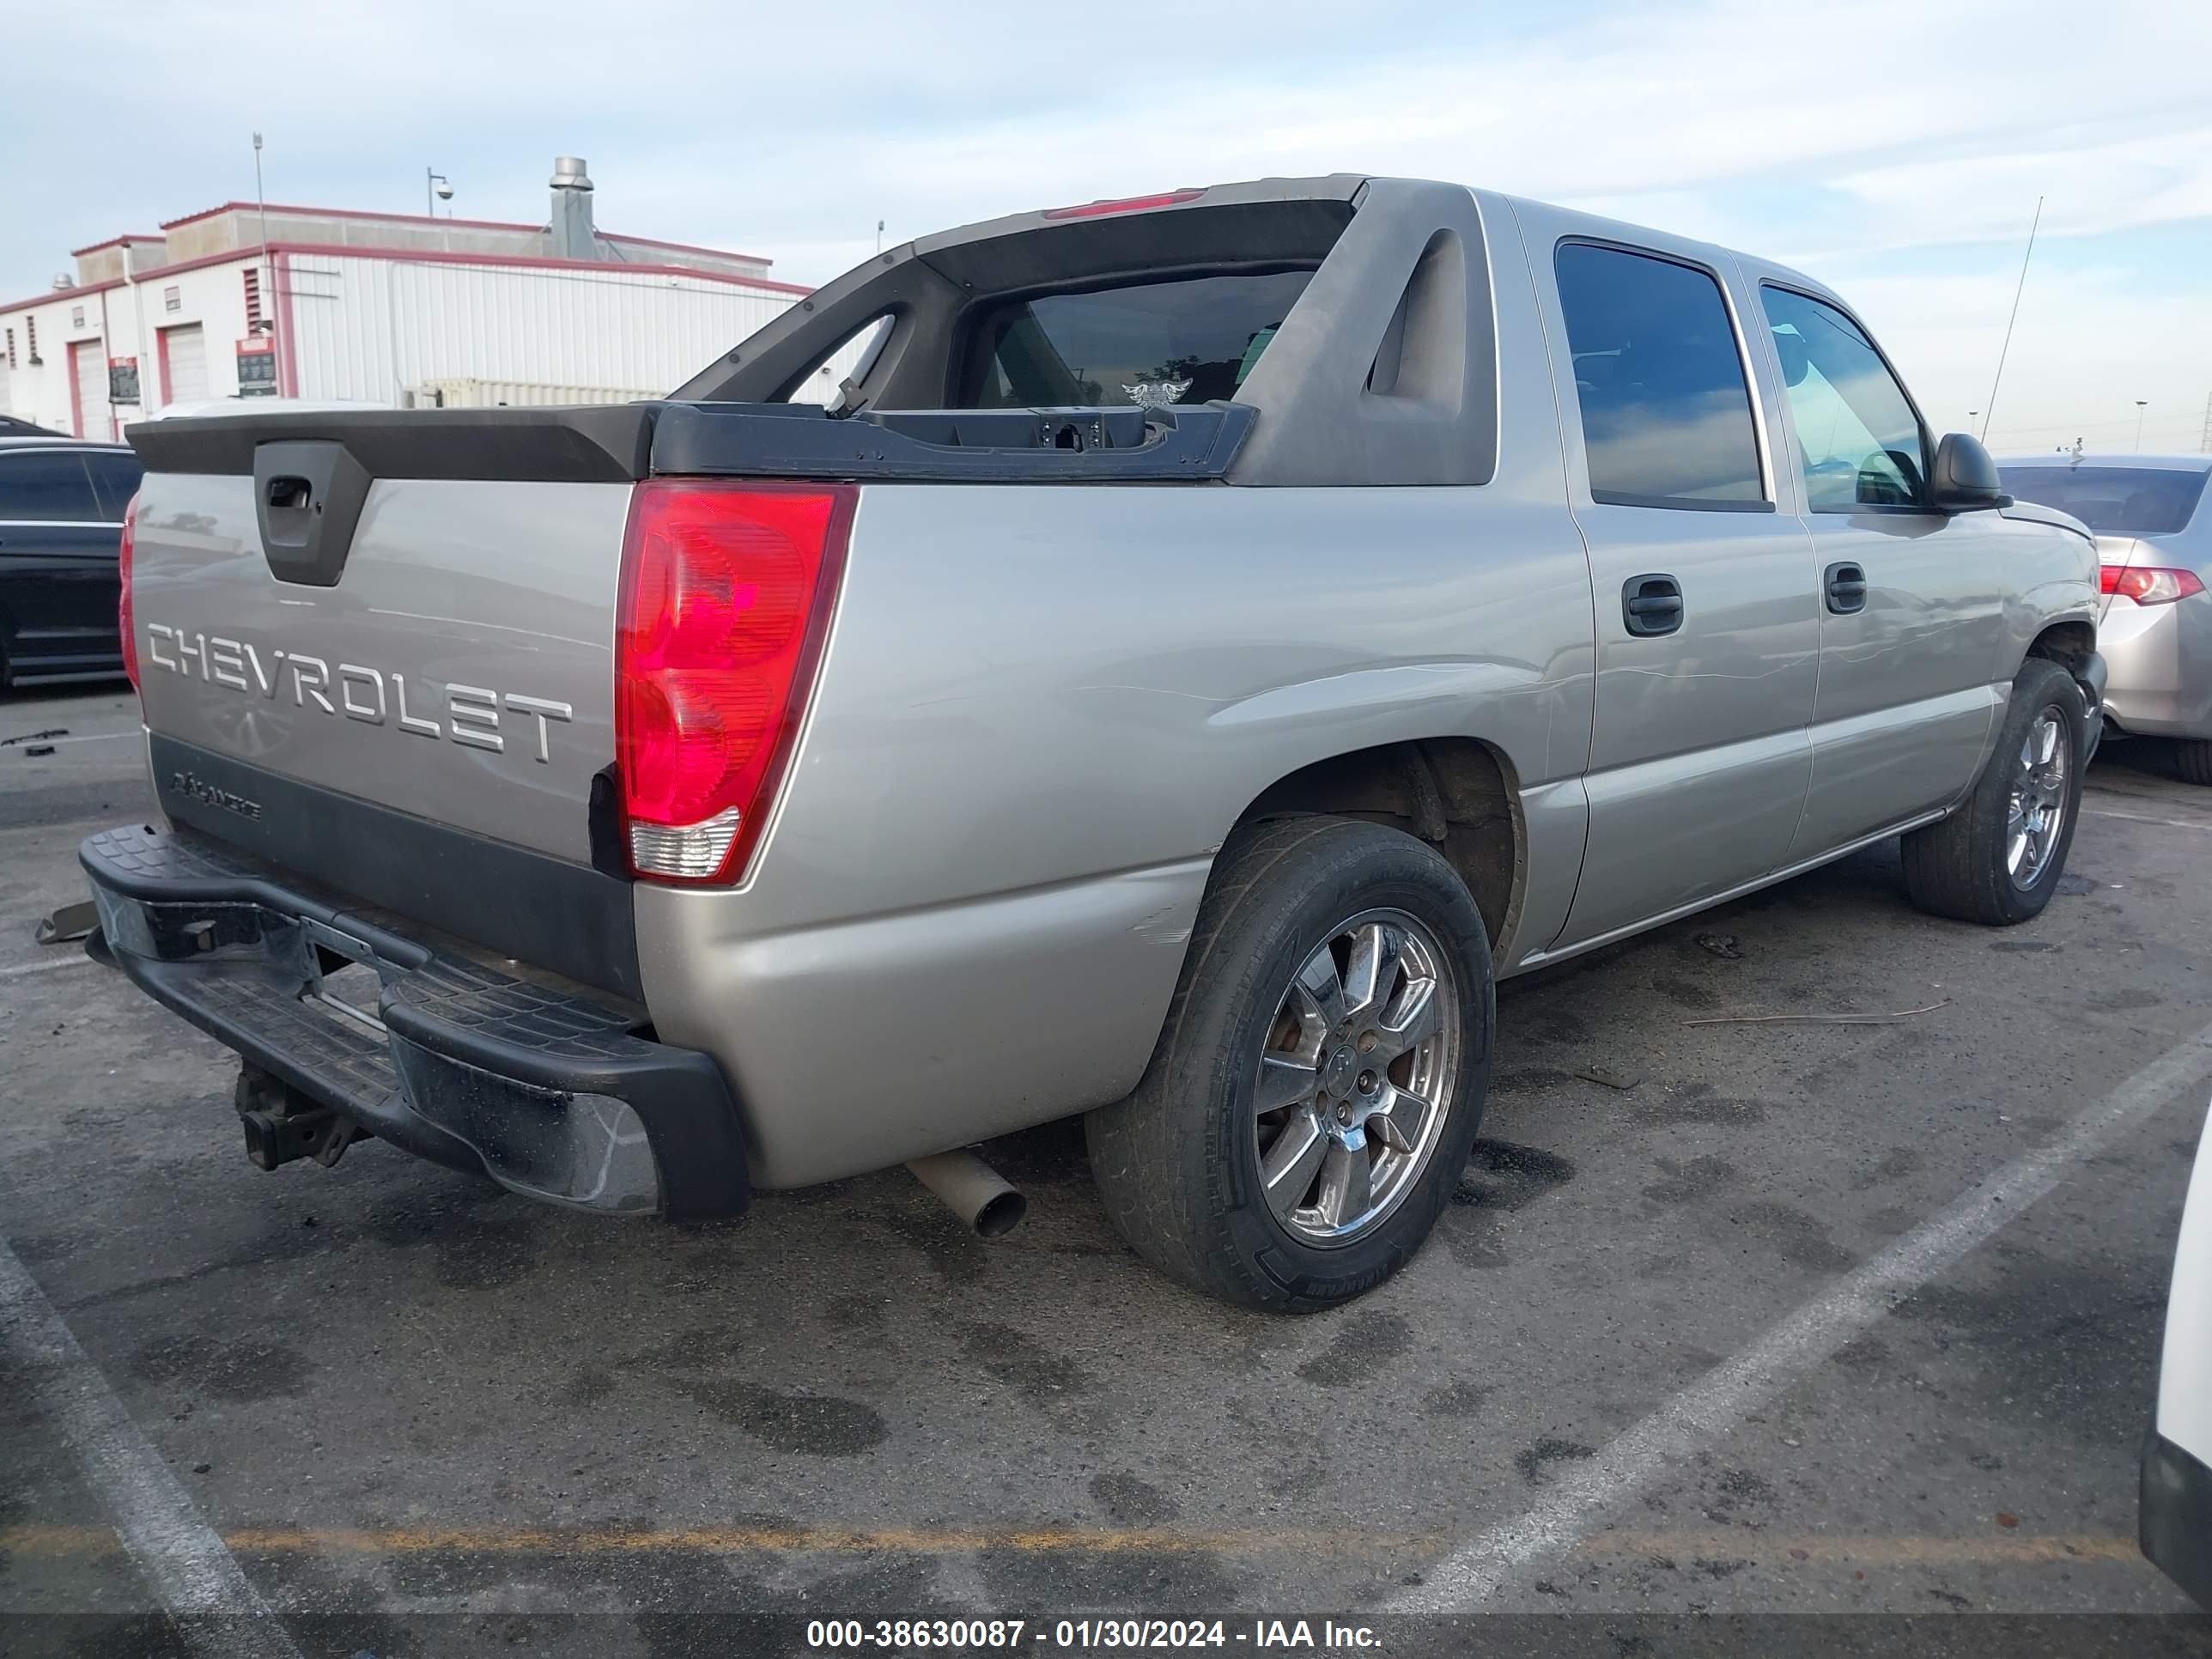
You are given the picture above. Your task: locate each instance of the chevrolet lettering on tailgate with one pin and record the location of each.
(471, 713)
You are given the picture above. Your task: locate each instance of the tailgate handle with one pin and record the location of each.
(307, 497)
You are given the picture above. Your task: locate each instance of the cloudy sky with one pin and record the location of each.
(1895, 150)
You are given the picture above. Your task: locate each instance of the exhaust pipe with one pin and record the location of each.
(972, 1190)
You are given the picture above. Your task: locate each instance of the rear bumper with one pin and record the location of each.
(549, 1089)
(2176, 1515)
(2160, 657)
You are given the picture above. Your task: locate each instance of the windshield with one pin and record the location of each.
(2112, 500)
(1180, 342)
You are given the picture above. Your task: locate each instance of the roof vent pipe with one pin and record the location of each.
(574, 237)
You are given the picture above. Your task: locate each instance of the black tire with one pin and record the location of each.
(1958, 867)
(1177, 1162)
(2194, 757)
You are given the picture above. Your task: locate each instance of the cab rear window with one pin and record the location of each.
(1187, 340)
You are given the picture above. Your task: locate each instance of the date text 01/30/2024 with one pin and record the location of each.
(1085, 1635)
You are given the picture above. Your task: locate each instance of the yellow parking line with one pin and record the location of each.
(1765, 1549)
(39, 1539)
(1771, 1549)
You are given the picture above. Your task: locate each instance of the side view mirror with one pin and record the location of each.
(1964, 478)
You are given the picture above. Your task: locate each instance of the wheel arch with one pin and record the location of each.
(2070, 643)
(1460, 794)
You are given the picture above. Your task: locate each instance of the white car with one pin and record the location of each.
(2177, 1463)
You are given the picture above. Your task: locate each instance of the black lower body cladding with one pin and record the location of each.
(576, 921)
(2176, 1517)
(551, 1090)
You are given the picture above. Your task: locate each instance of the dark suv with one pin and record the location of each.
(61, 522)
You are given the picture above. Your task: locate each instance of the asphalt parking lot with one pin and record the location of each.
(410, 1404)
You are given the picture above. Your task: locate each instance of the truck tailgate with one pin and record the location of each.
(459, 669)
(375, 653)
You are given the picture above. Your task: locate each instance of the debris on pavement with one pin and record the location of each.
(1818, 1019)
(67, 923)
(1610, 1078)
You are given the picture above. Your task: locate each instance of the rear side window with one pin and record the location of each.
(115, 478)
(1666, 411)
(824, 385)
(1186, 341)
(46, 486)
(1856, 432)
(2113, 501)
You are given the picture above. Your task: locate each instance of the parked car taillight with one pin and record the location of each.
(126, 624)
(727, 593)
(2148, 584)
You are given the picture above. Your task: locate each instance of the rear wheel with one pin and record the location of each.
(1997, 860)
(2194, 758)
(1321, 1075)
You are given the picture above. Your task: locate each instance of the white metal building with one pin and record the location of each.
(384, 308)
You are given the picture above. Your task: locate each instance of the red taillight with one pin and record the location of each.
(1126, 204)
(727, 592)
(2148, 584)
(125, 623)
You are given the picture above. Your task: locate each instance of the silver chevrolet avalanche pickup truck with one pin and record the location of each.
(1208, 641)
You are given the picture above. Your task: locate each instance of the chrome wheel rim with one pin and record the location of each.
(2036, 812)
(1356, 1076)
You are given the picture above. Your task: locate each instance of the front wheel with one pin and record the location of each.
(1997, 860)
(1321, 1075)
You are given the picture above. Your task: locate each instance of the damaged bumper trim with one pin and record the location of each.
(556, 1093)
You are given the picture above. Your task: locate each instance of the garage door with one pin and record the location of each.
(187, 356)
(89, 359)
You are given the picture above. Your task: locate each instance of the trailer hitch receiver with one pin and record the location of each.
(281, 1124)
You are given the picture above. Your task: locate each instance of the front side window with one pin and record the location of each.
(1666, 411)
(1183, 341)
(48, 486)
(1857, 435)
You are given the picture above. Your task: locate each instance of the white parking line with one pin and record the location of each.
(1717, 1403)
(2138, 817)
(47, 967)
(194, 1576)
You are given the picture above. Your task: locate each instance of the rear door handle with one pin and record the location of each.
(1651, 605)
(1846, 586)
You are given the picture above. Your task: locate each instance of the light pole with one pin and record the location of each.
(2140, 402)
(266, 280)
(260, 201)
(439, 185)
